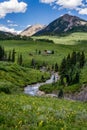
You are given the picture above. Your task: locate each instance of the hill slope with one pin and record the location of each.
(21, 112)
(32, 30)
(64, 24)
(6, 35)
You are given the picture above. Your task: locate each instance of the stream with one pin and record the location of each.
(34, 88)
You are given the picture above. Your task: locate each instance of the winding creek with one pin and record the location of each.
(34, 88)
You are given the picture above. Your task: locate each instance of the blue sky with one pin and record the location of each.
(16, 15)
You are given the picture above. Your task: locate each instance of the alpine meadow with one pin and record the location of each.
(43, 68)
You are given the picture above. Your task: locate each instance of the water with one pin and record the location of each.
(33, 89)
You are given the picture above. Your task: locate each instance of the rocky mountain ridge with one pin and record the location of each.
(64, 24)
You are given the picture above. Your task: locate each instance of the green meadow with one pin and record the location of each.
(30, 50)
(23, 112)
(70, 39)
(13, 78)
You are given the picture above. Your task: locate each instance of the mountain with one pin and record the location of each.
(6, 35)
(32, 30)
(64, 24)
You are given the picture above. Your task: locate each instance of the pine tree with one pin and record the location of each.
(82, 59)
(60, 94)
(78, 56)
(5, 57)
(52, 67)
(9, 56)
(13, 55)
(39, 52)
(73, 58)
(56, 67)
(2, 53)
(20, 59)
(68, 61)
(63, 67)
(42, 78)
(33, 63)
(77, 78)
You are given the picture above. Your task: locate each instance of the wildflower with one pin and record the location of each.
(40, 123)
(20, 122)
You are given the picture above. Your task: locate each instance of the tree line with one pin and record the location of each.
(70, 68)
(10, 56)
(10, 36)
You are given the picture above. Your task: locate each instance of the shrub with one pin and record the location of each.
(5, 87)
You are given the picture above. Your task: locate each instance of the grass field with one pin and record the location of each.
(21, 112)
(70, 39)
(60, 50)
(13, 78)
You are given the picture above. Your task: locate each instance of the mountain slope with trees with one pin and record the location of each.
(65, 24)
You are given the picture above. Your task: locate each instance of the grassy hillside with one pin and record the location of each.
(20, 112)
(13, 78)
(69, 39)
(28, 50)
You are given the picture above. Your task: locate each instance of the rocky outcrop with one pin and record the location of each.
(32, 30)
(82, 95)
(64, 24)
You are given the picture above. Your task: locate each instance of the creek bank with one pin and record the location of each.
(81, 96)
(34, 88)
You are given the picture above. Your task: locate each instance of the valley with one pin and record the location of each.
(28, 84)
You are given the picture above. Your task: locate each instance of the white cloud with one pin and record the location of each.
(83, 11)
(64, 3)
(47, 1)
(54, 7)
(70, 4)
(79, 5)
(12, 6)
(9, 21)
(11, 30)
(13, 25)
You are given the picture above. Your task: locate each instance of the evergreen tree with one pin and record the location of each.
(42, 78)
(77, 78)
(60, 94)
(82, 59)
(69, 68)
(5, 57)
(63, 68)
(36, 51)
(68, 61)
(9, 56)
(13, 55)
(39, 52)
(20, 59)
(52, 67)
(33, 62)
(73, 58)
(78, 56)
(52, 51)
(56, 67)
(63, 71)
(2, 53)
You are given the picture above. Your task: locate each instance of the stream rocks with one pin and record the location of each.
(81, 96)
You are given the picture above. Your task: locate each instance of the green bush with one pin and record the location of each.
(5, 87)
(14, 78)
